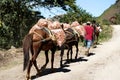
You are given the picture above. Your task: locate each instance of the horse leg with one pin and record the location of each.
(35, 65)
(35, 62)
(52, 58)
(77, 49)
(97, 38)
(28, 70)
(68, 55)
(61, 55)
(36, 52)
(71, 53)
(47, 60)
(94, 41)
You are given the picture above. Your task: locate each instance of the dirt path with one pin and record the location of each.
(104, 64)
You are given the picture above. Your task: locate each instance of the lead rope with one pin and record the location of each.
(38, 34)
(52, 36)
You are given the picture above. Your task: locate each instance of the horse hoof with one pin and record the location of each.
(27, 77)
(38, 70)
(61, 66)
(67, 61)
(42, 69)
(75, 57)
(71, 60)
(95, 46)
(38, 74)
(52, 70)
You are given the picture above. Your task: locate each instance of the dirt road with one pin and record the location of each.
(103, 64)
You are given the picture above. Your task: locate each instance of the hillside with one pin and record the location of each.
(111, 12)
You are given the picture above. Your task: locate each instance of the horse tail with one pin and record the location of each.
(27, 43)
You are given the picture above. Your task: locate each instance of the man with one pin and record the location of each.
(88, 37)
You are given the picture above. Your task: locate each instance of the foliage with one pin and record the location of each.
(106, 33)
(64, 4)
(15, 17)
(117, 20)
(78, 14)
(105, 22)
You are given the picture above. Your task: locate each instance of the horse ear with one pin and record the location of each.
(62, 26)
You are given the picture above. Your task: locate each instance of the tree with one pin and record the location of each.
(76, 14)
(16, 18)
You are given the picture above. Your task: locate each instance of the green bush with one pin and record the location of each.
(106, 33)
(106, 22)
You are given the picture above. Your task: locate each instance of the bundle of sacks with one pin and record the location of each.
(79, 28)
(66, 26)
(55, 28)
(39, 25)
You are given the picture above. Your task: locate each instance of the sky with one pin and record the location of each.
(94, 7)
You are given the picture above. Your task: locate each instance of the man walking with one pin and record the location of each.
(88, 37)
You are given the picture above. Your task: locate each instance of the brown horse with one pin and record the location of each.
(97, 30)
(43, 41)
(71, 40)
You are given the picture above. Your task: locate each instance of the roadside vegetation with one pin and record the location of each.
(106, 33)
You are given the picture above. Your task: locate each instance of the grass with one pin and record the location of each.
(106, 33)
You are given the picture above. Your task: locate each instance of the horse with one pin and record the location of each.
(40, 39)
(97, 30)
(70, 40)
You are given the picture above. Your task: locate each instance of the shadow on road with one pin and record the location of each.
(80, 59)
(49, 71)
(90, 54)
(63, 69)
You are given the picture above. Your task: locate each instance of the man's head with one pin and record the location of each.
(88, 23)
